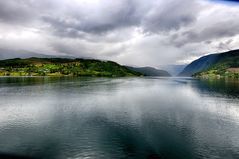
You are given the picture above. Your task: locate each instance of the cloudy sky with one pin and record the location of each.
(133, 32)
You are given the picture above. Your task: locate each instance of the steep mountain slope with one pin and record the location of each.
(149, 71)
(228, 67)
(63, 67)
(208, 61)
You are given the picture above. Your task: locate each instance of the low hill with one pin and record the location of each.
(149, 71)
(209, 61)
(63, 67)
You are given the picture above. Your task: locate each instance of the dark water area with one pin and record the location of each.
(111, 118)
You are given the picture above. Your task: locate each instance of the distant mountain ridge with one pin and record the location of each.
(11, 54)
(149, 71)
(173, 69)
(208, 61)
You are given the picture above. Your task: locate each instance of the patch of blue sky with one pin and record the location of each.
(227, 2)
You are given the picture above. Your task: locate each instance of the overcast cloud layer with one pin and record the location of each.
(132, 32)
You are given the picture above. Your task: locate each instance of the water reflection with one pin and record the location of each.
(118, 118)
(227, 87)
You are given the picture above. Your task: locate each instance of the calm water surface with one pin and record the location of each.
(76, 118)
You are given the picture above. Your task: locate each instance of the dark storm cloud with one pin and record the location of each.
(15, 11)
(151, 16)
(105, 18)
(220, 30)
(68, 19)
(171, 15)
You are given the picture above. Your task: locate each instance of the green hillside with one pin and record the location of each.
(227, 67)
(63, 67)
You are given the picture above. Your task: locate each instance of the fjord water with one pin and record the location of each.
(60, 118)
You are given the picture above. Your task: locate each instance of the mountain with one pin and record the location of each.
(206, 62)
(63, 67)
(227, 67)
(149, 71)
(11, 54)
(174, 70)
